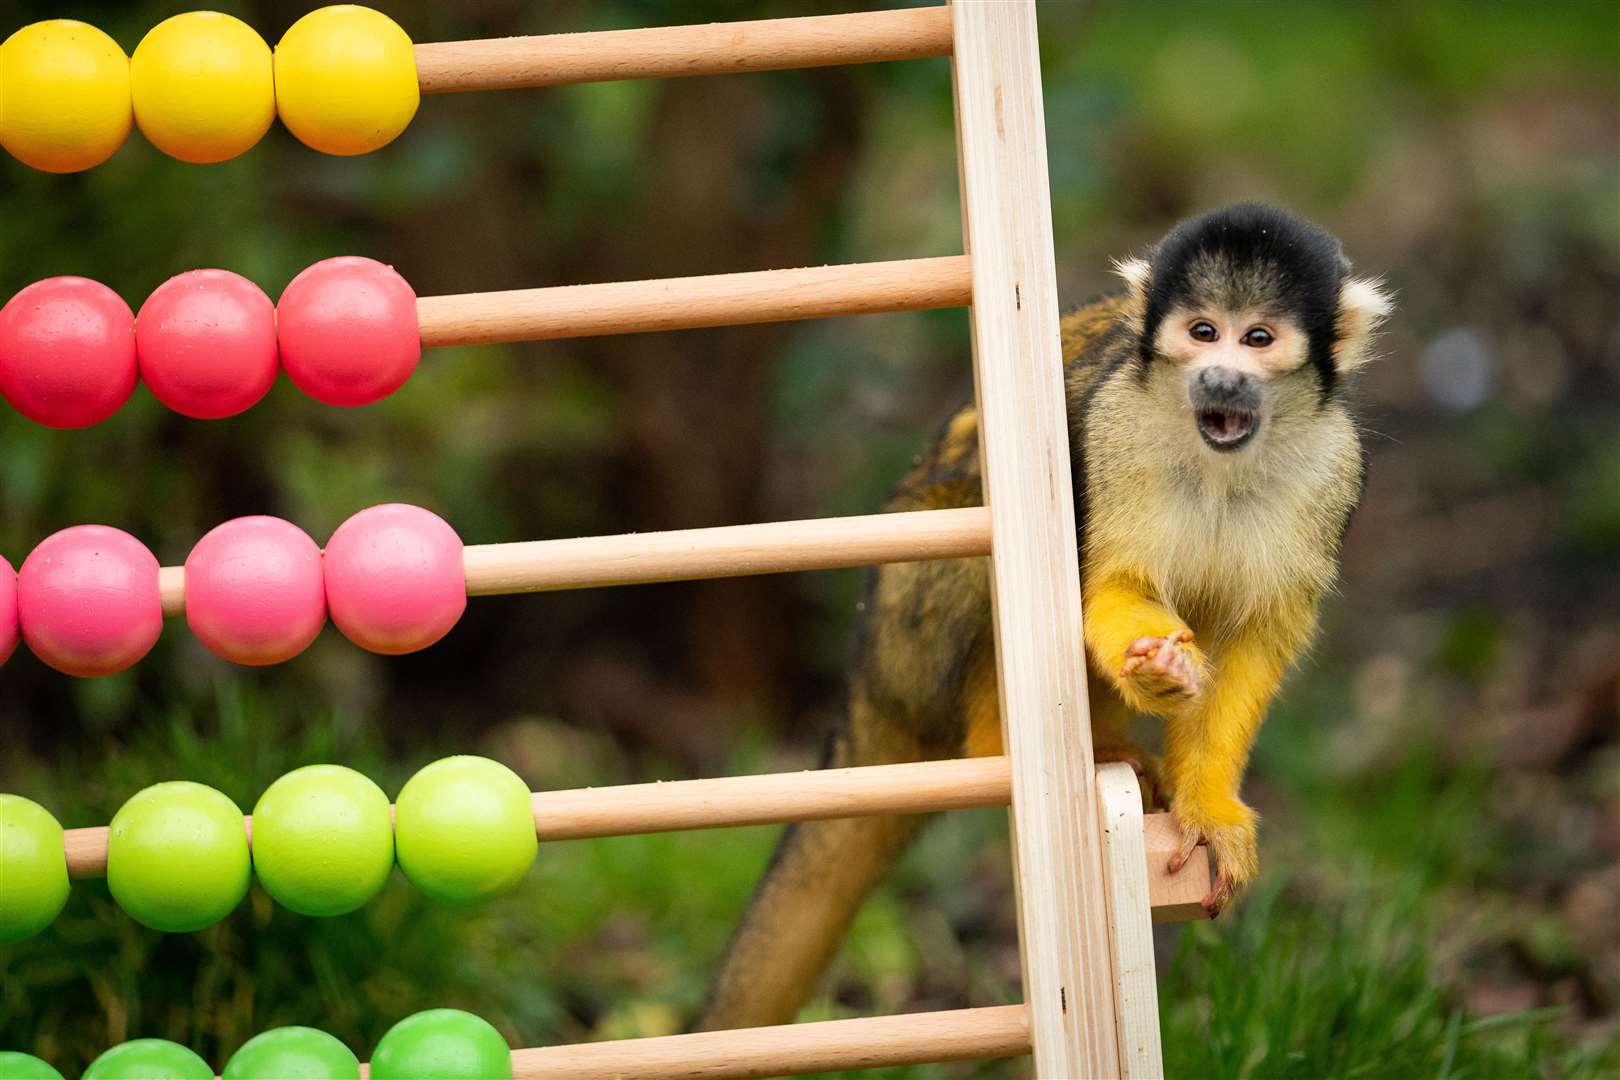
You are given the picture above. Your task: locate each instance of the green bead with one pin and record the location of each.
(323, 841)
(19, 1066)
(33, 869)
(292, 1053)
(464, 829)
(177, 857)
(444, 1044)
(149, 1059)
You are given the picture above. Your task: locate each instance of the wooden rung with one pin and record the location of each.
(727, 551)
(669, 51)
(909, 788)
(920, 787)
(757, 296)
(688, 554)
(1176, 897)
(997, 1031)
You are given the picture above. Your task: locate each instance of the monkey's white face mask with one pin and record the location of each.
(1235, 368)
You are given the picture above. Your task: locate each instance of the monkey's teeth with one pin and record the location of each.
(1223, 426)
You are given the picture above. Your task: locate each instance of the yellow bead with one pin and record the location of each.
(204, 86)
(346, 79)
(64, 96)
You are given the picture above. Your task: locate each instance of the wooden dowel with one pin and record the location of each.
(996, 1031)
(689, 554)
(758, 296)
(669, 51)
(912, 788)
(727, 551)
(921, 787)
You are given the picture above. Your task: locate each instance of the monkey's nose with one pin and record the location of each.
(1226, 403)
(1225, 387)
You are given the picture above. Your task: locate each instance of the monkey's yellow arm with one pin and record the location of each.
(1118, 611)
(1207, 747)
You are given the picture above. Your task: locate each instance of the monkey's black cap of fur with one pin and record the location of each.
(1251, 256)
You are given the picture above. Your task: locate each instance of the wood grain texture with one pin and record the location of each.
(997, 1031)
(1062, 895)
(632, 307)
(688, 554)
(910, 788)
(1136, 990)
(670, 51)
(1177, 897)
(721, 802)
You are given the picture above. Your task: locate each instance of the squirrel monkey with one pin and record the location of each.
(1215, 470)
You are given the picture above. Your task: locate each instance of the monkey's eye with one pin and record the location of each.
(1258, 338)
(1203, 331)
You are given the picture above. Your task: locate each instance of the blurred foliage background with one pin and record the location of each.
(1440, 783)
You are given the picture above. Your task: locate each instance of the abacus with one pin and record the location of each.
(1091, 869)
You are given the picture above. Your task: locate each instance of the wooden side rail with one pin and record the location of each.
(775, 547)
(912, 788)
(669, 51)
(997, 1031)
(755, 296)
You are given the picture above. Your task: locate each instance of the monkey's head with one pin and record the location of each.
(1248, 321)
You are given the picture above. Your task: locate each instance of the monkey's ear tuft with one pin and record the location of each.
(1138, 274)
(1363, 306)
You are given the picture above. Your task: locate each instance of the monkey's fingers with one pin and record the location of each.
(1220, 894)
(1145, 646)
(1190, 839)
(1141, 650)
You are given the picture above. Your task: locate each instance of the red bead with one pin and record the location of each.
(67, 352)
(395, 582)
(254, 591)
(348, 331)
(87, 599)
(8, 611)
(206, 341)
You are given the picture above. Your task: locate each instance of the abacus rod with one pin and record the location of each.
(996, 1031)
(727, 551)
(670, 51)
(921, 787)
(688, 554)
(757, 296)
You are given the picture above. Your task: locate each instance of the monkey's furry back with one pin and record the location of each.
(923, 634)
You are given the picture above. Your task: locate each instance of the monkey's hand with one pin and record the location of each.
(1229, 828)
(1143, 647)
(1165, 672)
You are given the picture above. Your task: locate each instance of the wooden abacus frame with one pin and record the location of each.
(1089, 867)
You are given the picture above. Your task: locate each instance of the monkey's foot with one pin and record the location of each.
(1147, 766)
(1168, 669)
(1233, 845)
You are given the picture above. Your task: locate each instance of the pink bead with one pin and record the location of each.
(254, 591)
(8, 611)
(348, 331)
(206, 341)
(67, 352)
(87, 599)
(394, 578)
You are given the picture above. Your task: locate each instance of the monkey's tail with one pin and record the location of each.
(820, 875)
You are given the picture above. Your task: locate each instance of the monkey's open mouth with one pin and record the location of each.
(1226, 429)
